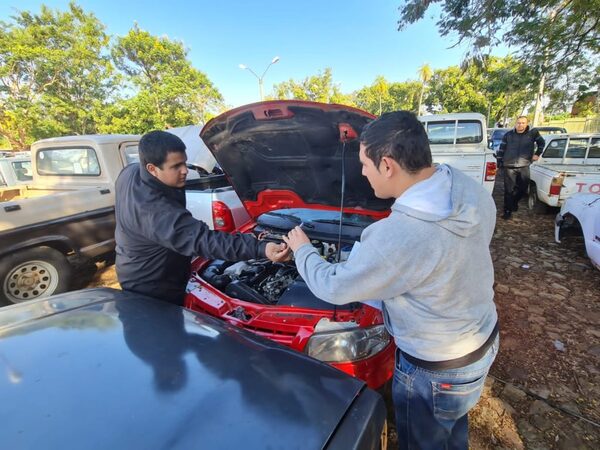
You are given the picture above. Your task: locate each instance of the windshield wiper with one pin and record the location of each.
(285, 216)
(337, 222)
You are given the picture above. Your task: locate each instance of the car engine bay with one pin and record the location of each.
(268, 283)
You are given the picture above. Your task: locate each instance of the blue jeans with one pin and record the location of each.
(431, 406)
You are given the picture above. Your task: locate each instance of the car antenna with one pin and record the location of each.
(339, 246)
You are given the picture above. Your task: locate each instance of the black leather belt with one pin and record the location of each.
(456, 363)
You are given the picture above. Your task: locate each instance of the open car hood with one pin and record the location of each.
(287, 153)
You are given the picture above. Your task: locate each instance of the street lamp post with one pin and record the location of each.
(260, 79)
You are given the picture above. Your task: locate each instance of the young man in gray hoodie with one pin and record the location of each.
(429, 265)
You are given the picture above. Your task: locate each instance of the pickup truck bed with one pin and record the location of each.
(552, 184)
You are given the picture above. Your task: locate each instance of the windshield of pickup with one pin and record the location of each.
(72, 161)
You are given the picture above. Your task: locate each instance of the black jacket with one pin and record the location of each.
(156, 237)
(516, 149)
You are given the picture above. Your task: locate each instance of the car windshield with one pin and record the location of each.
(303, 215)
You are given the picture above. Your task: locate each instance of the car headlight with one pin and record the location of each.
(350, 345)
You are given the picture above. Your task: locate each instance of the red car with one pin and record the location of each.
(296, 163)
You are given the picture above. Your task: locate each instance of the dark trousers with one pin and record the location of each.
(516, 186)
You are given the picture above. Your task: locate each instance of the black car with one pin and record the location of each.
(101, 368)
(495, 138)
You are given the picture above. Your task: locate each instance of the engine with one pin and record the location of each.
(268, 283)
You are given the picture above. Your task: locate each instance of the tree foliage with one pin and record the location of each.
(169, 90)
(59, 75)
(553, 37)
(384, 96)
(567, 28)
(54, 74)
(314, 88)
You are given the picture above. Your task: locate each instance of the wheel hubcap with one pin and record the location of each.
(29, 280)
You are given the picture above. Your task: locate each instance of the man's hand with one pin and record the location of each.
(296, 239)
(535, 157)
(277, 252)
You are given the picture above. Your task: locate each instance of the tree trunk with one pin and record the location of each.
(537, 115)
(505, 121)
(421, 99)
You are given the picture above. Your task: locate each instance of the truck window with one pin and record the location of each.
(2, 181)
(441, 132)
(22, 170)
(555, 149)
(132, 154)
(594, 148)
(577, 148)
(74, 161)
(466, 132)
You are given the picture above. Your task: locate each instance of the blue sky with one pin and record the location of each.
(358, 40)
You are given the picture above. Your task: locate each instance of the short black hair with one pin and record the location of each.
(398, 135)
(155, 145)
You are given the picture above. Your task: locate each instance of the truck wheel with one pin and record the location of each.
(33, 273)
(533, 202)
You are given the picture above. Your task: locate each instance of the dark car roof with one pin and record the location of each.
(104, 369)
(499, 133)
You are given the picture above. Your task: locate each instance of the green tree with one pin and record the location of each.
(382, 96)
(169, 91)
(315, 88)
(55, 74)
(552, 36)
(507, 83)
(425, 74)
(455, 90)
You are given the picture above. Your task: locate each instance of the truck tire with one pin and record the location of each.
(33, 273)
(533, 202)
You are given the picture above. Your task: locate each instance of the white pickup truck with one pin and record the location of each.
(459, 139)
(15, 170)
(67, 213)
(569, 164)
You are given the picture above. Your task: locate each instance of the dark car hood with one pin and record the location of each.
(104, 369)
(285, 153)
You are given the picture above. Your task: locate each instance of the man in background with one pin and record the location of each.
(517, 150)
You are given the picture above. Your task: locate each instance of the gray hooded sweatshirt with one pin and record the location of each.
(433, 271)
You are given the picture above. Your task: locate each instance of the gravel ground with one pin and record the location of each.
(543, 391)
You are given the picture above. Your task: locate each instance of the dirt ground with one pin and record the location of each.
(543, 391)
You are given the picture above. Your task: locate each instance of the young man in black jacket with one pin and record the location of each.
(515, 155)
(156, 236)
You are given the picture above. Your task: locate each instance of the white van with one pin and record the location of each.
(459, 140)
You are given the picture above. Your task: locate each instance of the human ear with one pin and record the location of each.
(388, 166)
(152, 169)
